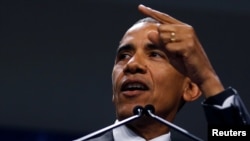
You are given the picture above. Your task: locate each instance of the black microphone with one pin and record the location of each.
(149, 111)
(138, 112)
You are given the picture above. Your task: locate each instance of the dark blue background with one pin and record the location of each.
(56, 59)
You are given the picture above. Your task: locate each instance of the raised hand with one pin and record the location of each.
(184, 50)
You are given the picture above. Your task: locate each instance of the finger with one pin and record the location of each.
(159, 16)
(153, 36)
(169, 37)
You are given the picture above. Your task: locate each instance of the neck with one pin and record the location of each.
(148, 130)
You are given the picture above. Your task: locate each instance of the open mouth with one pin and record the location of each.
(133, 86)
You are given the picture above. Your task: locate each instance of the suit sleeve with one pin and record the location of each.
(235, 114)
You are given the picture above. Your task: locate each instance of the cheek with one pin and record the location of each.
(167, 93)
(168, 85)
(114, 79)
(114, 87)
(116, 73)
(166, 77)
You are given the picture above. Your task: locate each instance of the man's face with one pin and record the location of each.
(143, 75)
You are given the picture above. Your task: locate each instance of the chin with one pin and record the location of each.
(125, 111)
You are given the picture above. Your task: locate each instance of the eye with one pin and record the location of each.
(123, 56)
(155, 54)
(158, 55)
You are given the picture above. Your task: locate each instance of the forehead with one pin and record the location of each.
(137, 37)
(142, 27)
(139, 30)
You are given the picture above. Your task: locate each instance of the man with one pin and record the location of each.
(161, 62)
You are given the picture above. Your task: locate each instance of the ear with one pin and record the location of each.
(191, 91)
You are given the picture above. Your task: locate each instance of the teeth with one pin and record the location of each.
(134, 86)
(139, 86)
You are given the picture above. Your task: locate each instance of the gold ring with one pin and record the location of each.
(172, 37)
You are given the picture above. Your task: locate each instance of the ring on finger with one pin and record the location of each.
(172, 37)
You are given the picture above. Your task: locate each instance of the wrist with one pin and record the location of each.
(211, 87)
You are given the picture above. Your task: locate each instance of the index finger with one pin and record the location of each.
(157, 15)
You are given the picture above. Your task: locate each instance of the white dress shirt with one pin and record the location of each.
(226, 104)
(123, 133)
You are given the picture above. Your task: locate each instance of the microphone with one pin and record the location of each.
(149, 111)
(138, 112)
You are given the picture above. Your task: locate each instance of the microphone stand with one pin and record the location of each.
(150, 110)
(138, 112)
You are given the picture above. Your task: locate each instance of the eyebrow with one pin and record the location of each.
(127, 47)
(151, 46)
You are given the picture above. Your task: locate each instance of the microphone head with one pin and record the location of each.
(149, 108)
(138, 110)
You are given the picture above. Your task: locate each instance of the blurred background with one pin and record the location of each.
(56, 59)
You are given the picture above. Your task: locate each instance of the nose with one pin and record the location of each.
(136, 64)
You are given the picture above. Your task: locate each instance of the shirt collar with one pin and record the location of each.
(123, 133)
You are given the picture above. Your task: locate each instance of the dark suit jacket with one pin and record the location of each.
(237, 114)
